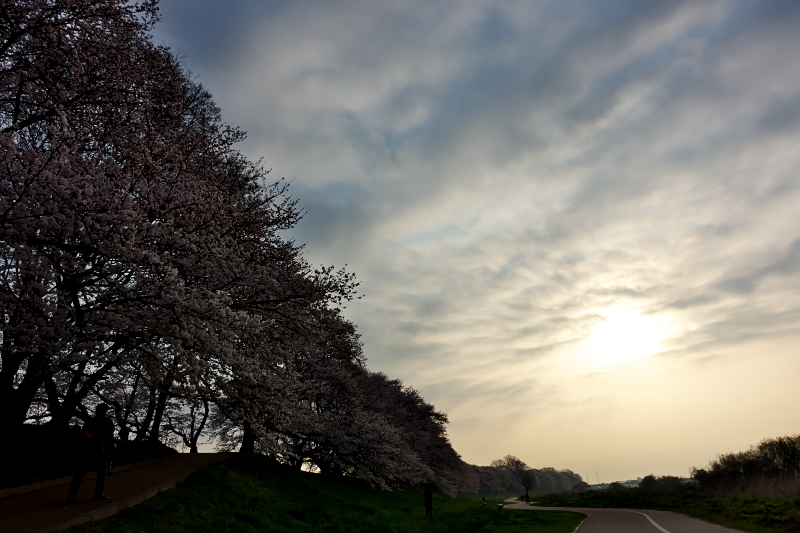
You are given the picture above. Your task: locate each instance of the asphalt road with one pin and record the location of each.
(633, 520)
(40, 510)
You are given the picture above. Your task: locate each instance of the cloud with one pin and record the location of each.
(505, 176)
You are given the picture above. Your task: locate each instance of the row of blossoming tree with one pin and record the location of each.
(143, 267)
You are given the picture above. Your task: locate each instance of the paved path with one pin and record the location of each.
(631, 520)
(43, 509)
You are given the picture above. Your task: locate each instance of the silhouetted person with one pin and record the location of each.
(428, 502)
(96, 442)
(527, 499)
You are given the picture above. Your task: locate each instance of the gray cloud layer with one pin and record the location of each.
(505, 176)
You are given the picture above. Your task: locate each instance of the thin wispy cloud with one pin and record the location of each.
(574, 221)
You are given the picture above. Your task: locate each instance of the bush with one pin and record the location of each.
(771, 468)
(652, 482)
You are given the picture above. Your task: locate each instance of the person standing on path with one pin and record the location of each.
(96, 442)
(428, 502)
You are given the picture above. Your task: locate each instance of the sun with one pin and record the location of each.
(624, 336)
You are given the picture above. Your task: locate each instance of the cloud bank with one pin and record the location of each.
(576, 223)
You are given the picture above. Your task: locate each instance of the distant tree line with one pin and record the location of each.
(771, 469)
(651, 482)
(771, 466)
(511, 473)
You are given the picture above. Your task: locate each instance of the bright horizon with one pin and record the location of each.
(575, 223)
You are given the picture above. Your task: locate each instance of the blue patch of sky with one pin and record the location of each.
(782, 116)
(329, 73)
(603, 12)
(436, 235)
(604, 89)
(337, 193)
(494, 28)
(360, 132)
(784, 12)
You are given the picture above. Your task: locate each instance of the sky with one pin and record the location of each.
(575, 222)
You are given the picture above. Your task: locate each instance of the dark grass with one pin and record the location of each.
(756, 514)
(254, 493)
(41, 457)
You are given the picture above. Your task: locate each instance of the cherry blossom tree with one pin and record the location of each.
(70, 71)
(132, 232)
(493, 479)
(187, 422)
(142, 265)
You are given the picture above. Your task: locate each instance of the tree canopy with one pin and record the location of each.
(143, 265)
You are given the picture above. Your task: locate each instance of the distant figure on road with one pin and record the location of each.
(96, 443)
(428, 502)
(527, 499)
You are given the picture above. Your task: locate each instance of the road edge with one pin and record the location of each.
(130, 501)
(582, 521)
(13, 491)
(523, 508)
(108, 510)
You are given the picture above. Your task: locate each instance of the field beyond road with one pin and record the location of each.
(255, 493)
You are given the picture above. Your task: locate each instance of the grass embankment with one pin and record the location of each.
(255, 493)
(41, 457)
(756, 514)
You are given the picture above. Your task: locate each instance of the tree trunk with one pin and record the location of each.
(148, 417)
(17, 401)
(195, 435)
(75, 395)
(248, 439)
(163, 395)
(125, 430)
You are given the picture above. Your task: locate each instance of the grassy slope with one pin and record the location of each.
(247, 494)
(759, 515)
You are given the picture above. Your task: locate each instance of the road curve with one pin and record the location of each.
(632, 520)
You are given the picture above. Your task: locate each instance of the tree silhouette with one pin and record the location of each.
(525, 475)
(528, 480)
(142, 265)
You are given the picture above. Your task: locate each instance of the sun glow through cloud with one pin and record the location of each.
(624, 335)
